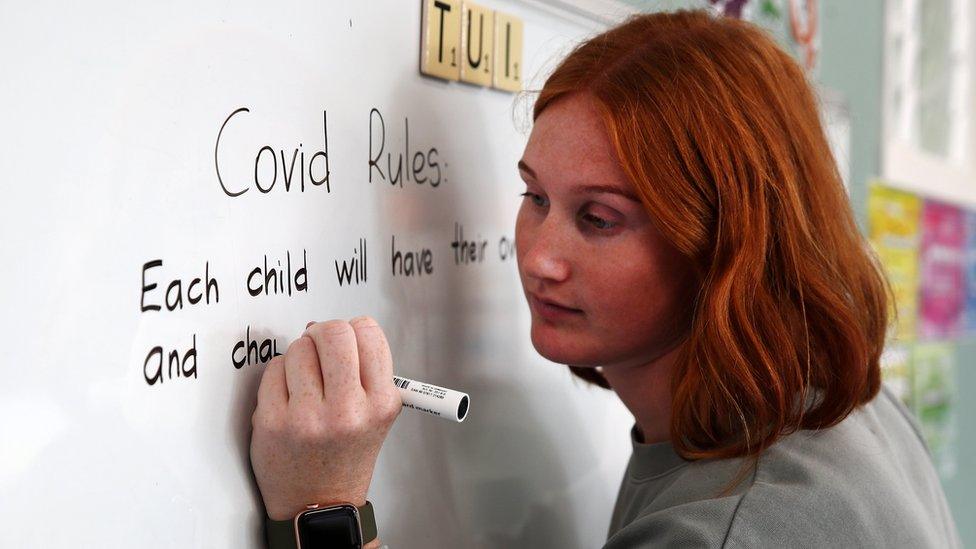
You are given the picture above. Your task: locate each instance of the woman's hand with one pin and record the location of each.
(324, 409)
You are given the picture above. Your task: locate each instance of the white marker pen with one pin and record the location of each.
(436, 401)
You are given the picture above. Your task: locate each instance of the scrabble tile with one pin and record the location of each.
(477, 44)
(440, 51)
(508, 52)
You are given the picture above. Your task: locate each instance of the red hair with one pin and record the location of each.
(718, 131)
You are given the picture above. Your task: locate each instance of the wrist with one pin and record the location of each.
(281, 515)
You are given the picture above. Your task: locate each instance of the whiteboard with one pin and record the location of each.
(111, 113)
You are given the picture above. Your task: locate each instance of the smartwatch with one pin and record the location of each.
(339, 525)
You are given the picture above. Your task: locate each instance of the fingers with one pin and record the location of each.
(302, 373)
(338, 358)
(304, 451)
(375, 362)
(273, 391)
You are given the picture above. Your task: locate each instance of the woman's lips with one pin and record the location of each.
(550, 310)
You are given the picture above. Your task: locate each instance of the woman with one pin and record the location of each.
(685, 241)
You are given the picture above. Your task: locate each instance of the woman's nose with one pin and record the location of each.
(546, 254)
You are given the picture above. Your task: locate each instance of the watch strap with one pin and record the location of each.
(281, 533)
(367, 521)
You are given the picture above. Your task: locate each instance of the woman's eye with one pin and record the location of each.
(536, 199)
(598, 222)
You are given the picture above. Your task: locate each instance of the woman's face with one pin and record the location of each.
(604, 287)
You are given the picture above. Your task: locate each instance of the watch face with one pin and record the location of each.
(330, 527)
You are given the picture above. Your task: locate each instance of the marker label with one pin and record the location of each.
(436, 401)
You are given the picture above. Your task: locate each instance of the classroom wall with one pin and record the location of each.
(851, 63)
(961, 489)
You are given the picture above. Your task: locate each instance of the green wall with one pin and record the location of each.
(961, 488)
(852, 39)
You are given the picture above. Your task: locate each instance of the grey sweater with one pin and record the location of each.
(867, 482)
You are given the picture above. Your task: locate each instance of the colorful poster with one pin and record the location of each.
(729, 8)
(894, 217)
(943, 288)
(969, 313)
(933, 366)
(896, 371)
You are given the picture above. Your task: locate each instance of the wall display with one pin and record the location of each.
(933, 395)
(894, 232)
(928, 251)
(805, 28)
(942, 291)
(969, 313)
(729, 8)
(896, 371)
